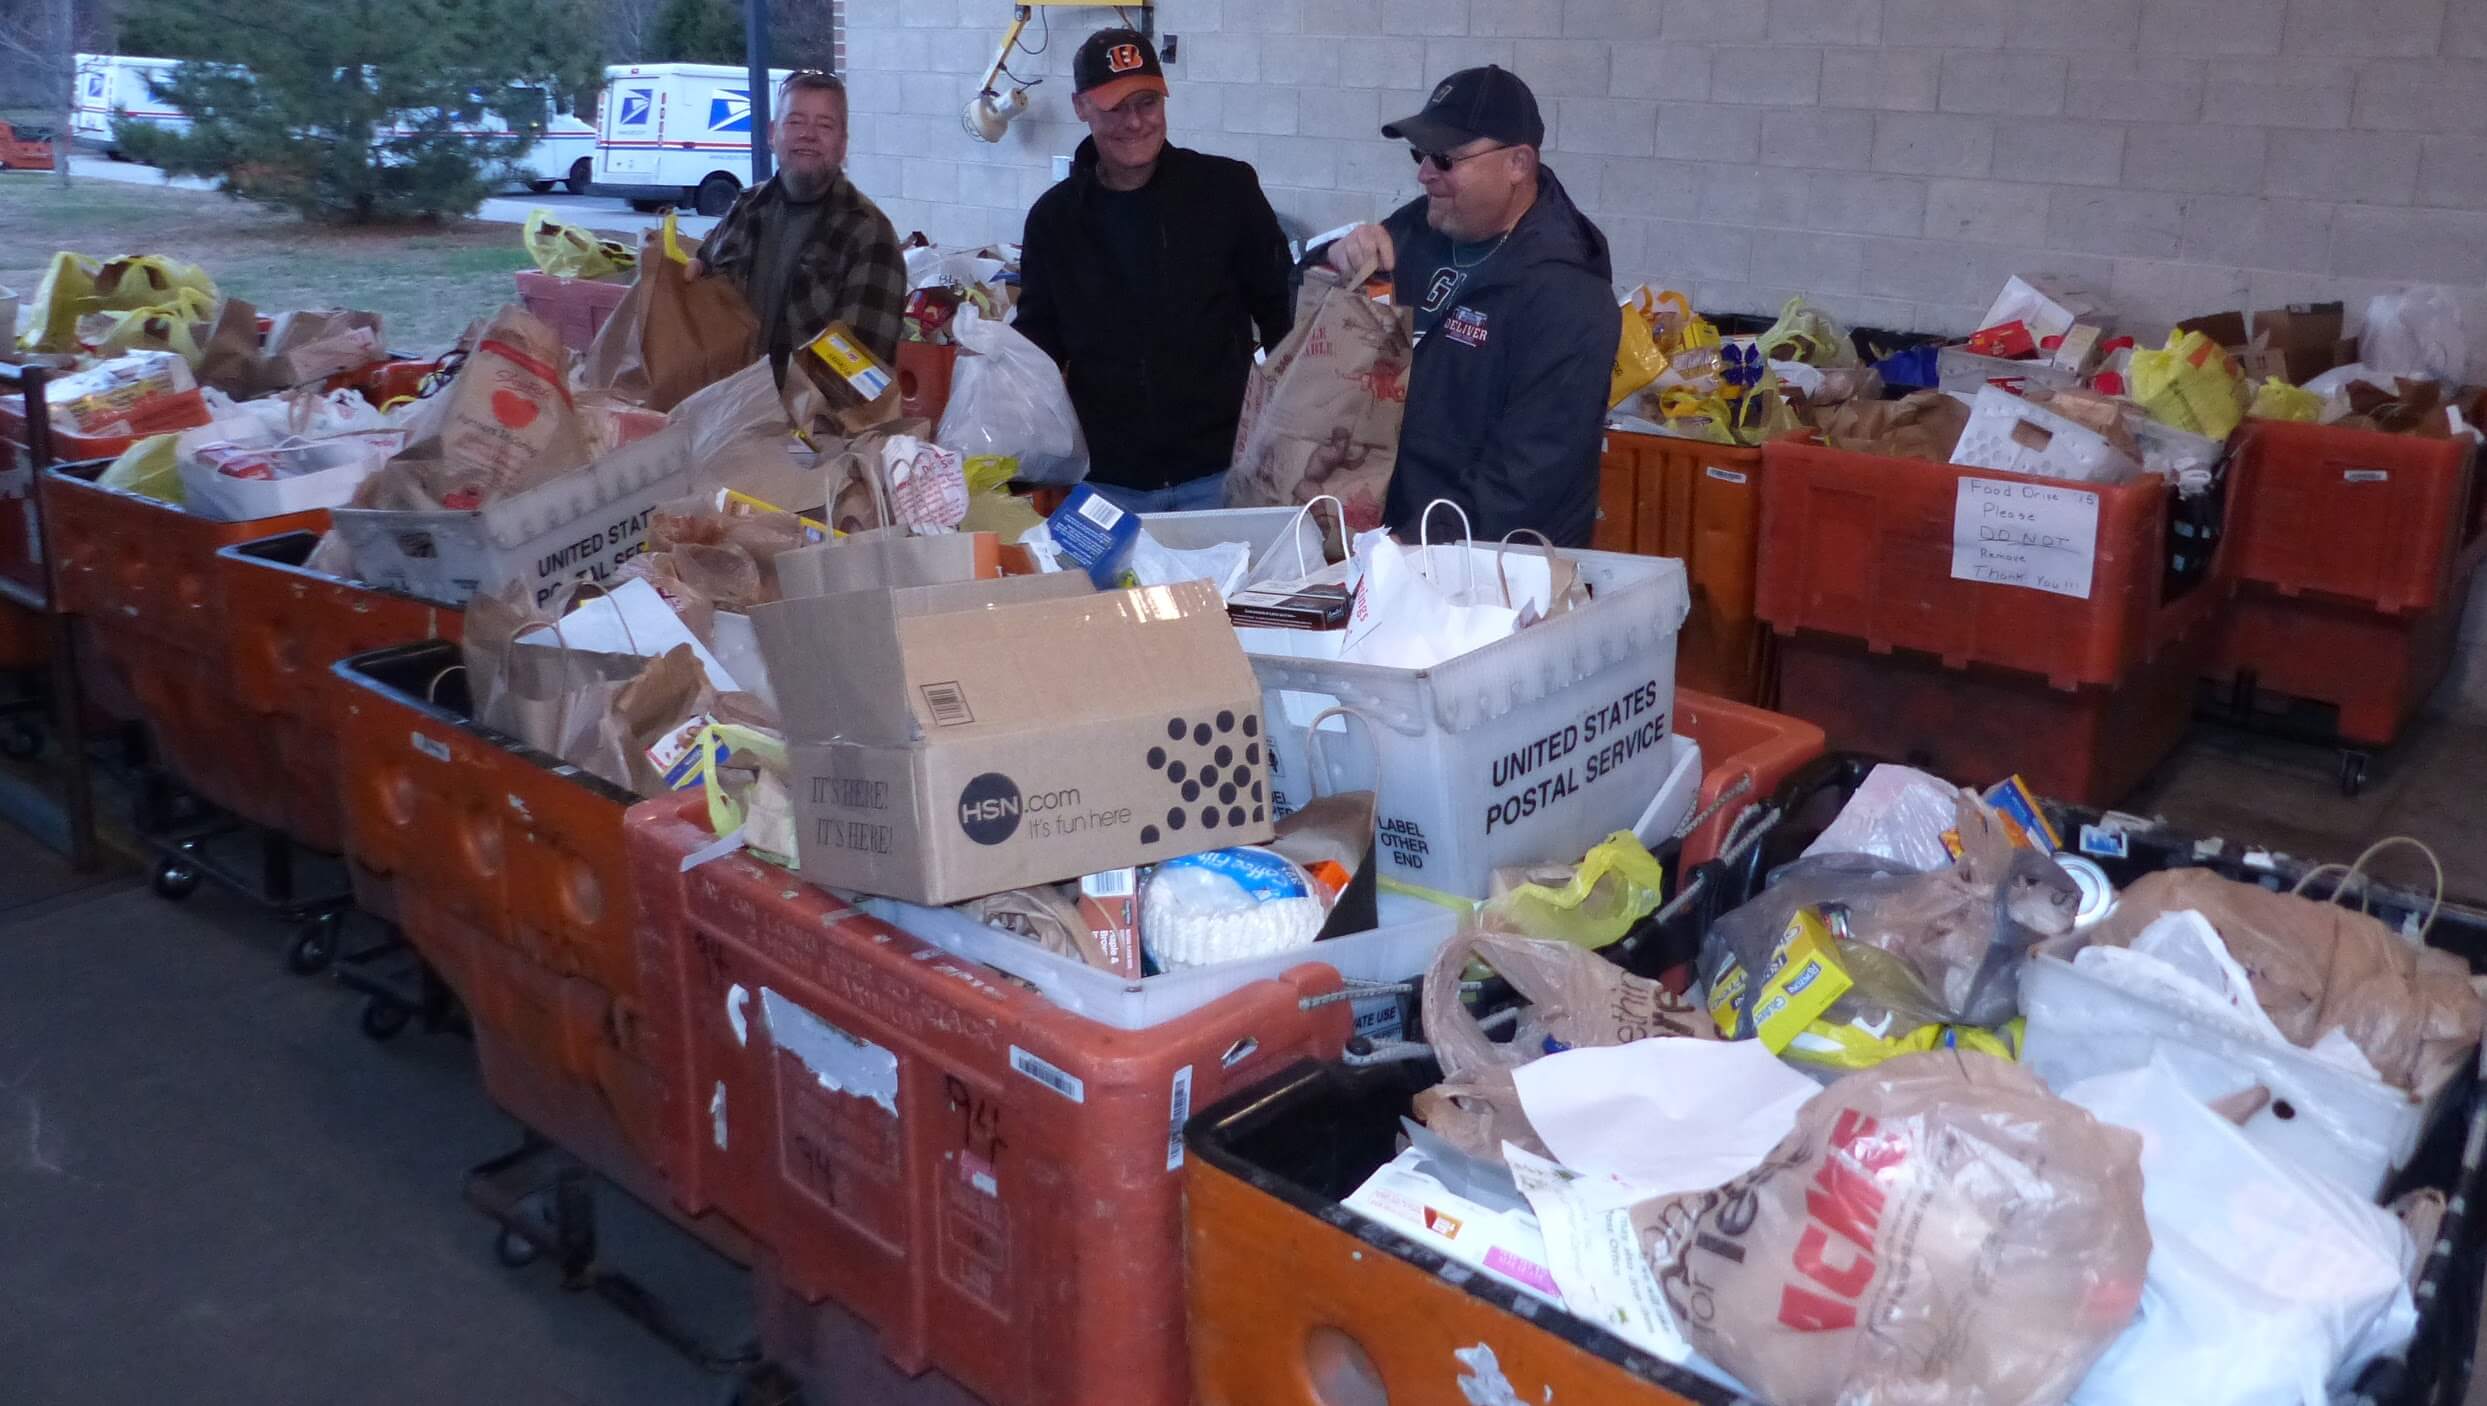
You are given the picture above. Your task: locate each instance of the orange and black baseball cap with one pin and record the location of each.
(1113, 65)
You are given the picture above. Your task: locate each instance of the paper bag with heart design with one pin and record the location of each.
(505, 424)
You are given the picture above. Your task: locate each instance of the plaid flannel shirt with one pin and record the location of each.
(849, 271)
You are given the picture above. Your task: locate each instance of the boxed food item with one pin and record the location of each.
(957, 740)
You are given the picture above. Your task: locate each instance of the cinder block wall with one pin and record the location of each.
(1892, 160)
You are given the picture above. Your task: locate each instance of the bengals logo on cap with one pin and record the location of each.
(1123, 58)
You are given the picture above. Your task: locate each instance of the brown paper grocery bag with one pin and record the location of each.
(1321, 415)
(672, 335)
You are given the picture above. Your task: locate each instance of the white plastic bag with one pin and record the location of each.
(2416, 333)
(1007, 400)
(2265, 1283)
(1898, 813)
(1418, 607)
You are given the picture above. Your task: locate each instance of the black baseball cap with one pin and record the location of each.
(1114, 64)
(1488, 102)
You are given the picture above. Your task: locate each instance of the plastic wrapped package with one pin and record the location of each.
(2266, 1283)
(1940, 1229)
(1228, 904)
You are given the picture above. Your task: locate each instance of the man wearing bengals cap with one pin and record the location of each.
(1146, 274)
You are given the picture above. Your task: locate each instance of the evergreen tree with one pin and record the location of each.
(346, 109)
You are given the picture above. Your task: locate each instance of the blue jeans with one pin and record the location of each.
(1191, 495)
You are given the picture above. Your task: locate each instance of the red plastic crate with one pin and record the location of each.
(574, 307)
(2376, 669)
(924, 372)
(2090, 745)
(1739, 743)
(143, 573)
(991, 1181)
(1859, 547)
(285, 626)
(2388, 521)
(1700, 503)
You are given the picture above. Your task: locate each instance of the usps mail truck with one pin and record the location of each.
(676, 134)
(117, 88)
(114, 88)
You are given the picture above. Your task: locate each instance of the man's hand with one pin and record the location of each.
(694, 269)
(1363, 252)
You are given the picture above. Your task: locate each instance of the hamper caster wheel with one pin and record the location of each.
(176, 880)
(315, 944)
(513, 1250)
(2352, 773)
(382, 1020)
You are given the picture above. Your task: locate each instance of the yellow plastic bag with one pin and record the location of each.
(1807, 335)
(1847, 1045)
(766, 824)
(1615, 885)
(148, 281)
(2276, 399)
(1637, 360)
(147, 467)
(52, 316)
(566, 251)
(2191, 384)
(169, 328)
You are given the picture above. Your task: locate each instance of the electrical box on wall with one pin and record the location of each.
(1062, 168)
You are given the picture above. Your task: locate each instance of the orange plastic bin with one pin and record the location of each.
(1893, 655)
(285, 625)
(2354, 549)
(993, 1182)
(1700, 503)
(142, 573)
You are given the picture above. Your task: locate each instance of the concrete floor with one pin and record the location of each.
(2432, 786)
(214, 1190)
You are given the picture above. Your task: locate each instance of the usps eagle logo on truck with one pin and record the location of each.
(729, 110)
(636, 103)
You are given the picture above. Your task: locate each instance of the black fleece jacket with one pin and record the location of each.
(1157, 373)
(1507, 396)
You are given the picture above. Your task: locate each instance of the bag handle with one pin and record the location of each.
(2353, 874)
(1319, 759)
(1301, 568)
(1424, 543)
(1502, 573)
(871, 474)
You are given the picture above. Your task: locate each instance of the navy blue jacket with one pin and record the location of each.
(1507, 396)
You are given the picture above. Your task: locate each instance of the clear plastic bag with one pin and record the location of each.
(1007, 400)
(2417, 334)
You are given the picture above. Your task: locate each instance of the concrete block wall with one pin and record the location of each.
(1891, 159)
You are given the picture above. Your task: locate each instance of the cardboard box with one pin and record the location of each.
(958, 740)
(886, 559)
(1964, 372)
(2047, 304)
(2296, 343)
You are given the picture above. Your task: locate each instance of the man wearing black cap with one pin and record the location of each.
(1515, 319)
(1145, 274)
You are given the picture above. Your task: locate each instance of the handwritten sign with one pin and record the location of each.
(2025, 534)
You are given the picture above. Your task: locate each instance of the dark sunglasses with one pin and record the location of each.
(1442, 161)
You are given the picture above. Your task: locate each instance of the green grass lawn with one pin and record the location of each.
(427, 283)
